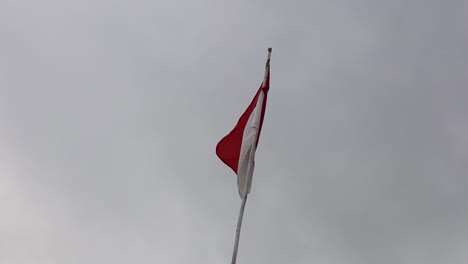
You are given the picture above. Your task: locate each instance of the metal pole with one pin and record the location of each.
(238, 229)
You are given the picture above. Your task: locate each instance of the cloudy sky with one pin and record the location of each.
(110, 112)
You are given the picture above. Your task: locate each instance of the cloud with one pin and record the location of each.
(110, 112)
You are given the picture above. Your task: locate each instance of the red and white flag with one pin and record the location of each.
(237, 149)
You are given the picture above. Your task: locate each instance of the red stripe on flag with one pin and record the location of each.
(229, 148)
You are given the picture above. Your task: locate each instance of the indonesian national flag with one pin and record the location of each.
(237, 149)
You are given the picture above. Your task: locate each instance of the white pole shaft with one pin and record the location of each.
(238, 229)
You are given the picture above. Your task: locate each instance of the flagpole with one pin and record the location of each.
(238, 229)
(244, 199)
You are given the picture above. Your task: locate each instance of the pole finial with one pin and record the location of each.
(270, 49)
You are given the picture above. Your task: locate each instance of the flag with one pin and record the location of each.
(237, 149)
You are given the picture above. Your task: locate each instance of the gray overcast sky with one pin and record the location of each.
(110, 112)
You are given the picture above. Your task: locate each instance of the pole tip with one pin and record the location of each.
(270, 49)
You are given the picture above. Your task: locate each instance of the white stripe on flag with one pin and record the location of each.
(247, 153)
